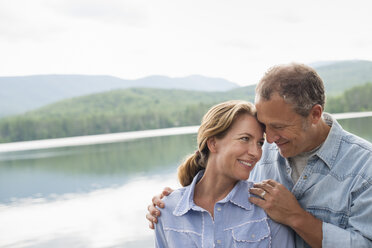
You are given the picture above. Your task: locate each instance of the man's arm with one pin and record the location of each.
(154, 213)
(358, 232)
(281, 205)
(160, 240)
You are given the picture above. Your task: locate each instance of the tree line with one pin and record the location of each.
(140, 109)
(111, 112)
(356, 99)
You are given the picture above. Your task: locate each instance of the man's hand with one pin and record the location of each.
(277, 201)
(156, 201)
(282, 206)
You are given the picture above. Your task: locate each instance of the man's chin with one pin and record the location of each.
(285, 152)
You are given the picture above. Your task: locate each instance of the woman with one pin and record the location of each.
(212, 209)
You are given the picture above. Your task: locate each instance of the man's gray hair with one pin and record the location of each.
(298, 84)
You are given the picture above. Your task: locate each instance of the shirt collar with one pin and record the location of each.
(331, 145)
(187, 200)
(238, 195)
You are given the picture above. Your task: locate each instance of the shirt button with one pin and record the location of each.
(218, 241)
(218, 209)
(253, 236)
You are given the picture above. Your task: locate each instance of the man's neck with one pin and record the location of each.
(320, 134)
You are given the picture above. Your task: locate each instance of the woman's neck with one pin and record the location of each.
(211, 188)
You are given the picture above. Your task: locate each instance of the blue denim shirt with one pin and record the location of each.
(236, 223)
(335, 186)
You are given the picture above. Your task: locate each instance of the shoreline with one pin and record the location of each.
(124, 136)
(94, 139)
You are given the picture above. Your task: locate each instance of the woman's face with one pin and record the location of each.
(240, 149)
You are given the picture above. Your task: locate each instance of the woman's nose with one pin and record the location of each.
(255, 150)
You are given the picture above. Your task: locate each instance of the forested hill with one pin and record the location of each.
(145, 108)
(343, 75)
(358, 98)
(116, 111)
(20, 94)
(141, 108)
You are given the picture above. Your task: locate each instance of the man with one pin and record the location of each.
(317, 177)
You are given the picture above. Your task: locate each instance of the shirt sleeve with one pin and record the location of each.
(358, 233)
(281, 235)
(160, 240)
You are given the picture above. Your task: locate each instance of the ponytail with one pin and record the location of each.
(190, 167)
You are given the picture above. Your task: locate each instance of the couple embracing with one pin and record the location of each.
(313, 179)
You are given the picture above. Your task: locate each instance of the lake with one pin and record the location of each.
(94, 195)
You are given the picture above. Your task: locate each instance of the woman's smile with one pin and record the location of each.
(246, 163)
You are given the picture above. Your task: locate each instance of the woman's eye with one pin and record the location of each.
(261, 143)
(244, 138)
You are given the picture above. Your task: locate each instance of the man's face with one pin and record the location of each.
(287, 129)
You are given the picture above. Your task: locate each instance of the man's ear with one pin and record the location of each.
(316, 113)
(212, 144)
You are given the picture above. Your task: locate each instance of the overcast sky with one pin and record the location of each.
(236, 39)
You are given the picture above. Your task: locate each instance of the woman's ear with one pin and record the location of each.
(211, 143)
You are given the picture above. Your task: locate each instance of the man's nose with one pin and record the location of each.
(271, 135)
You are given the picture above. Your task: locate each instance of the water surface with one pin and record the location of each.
(95, 195)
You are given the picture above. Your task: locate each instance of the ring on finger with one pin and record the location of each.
(263, 194)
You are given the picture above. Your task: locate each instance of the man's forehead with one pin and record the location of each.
(274, 110)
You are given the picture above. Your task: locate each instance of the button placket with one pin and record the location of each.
(218, 218)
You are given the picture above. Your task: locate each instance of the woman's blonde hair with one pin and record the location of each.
(215, 123)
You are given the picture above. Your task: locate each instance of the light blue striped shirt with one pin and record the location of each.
(236, 223)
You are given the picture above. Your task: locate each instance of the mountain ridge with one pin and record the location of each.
(24, 93)
(134, 109)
